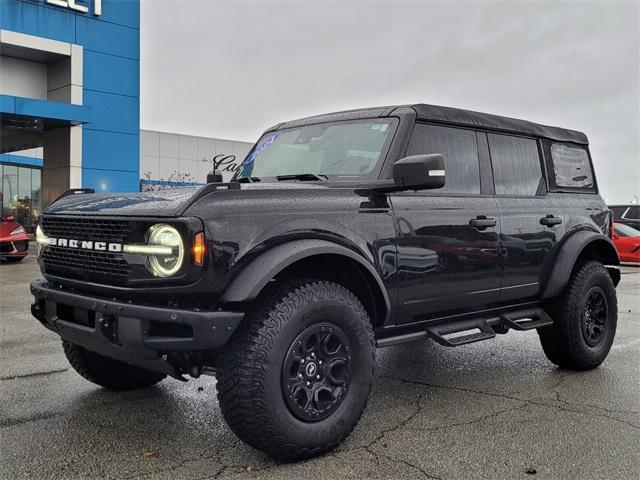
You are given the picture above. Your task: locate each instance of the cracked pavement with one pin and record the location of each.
(488, 410)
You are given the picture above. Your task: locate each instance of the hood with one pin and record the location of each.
(163, 203)
(7, 227)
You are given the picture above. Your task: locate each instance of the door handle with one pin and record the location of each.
(481, 222)
(550, 220)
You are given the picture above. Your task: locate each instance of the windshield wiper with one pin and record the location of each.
(247, 179)
(303, 176)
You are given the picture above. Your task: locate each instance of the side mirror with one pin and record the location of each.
(419, 172)
(9, 217)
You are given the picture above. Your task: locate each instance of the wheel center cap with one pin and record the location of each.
(311, 369)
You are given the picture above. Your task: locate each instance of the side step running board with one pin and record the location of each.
(473, 329)
(526, 319)
(481, 330)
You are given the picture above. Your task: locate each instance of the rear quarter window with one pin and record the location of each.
(570, 168)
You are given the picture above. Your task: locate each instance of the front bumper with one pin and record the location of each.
(14, 247)
(136, 334)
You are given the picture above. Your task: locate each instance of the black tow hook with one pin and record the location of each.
(108, 326)
(38, 312)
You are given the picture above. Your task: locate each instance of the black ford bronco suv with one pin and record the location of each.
(338, 234)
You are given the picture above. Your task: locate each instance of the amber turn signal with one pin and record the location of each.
(198, 249)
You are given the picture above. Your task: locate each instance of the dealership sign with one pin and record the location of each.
(225, 163)
(78, 5)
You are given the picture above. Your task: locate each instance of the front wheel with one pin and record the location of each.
(585, 316)
(296, 378)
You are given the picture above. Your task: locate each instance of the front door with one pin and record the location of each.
(444, 263)
(448, 238)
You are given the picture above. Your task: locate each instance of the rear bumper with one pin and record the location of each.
(132, 333)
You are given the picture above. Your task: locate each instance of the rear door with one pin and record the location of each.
(531, 223)
(447, 245)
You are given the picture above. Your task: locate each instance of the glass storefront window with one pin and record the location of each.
(9, 189)
(23, 205)
(20, 194)
(36, 205)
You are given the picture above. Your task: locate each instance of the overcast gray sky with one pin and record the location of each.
(231, 69)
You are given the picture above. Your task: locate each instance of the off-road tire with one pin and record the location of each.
(250, 370)
(564, 343)
(106, 372)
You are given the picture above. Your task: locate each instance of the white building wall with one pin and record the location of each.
(186, 158)
(23, 78)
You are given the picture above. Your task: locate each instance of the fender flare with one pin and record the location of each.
(569, 252)
(248, 284)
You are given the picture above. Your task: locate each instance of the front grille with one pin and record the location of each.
(104, 230)
(88, 265)
(6, 247)
(97, 267)
(21, 245)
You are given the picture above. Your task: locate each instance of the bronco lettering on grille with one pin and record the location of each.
(86, 245)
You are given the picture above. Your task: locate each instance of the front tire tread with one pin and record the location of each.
(240, 383)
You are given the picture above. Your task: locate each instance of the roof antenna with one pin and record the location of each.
(216, 175)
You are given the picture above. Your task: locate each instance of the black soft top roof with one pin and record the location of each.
(450, 116)
(457, 116)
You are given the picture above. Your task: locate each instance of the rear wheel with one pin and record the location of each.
(585, 318)
(106, 372)
(296, 379)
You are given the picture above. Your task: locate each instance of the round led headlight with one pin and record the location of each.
(167, 263)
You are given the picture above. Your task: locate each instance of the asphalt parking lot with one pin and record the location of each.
(496, 409)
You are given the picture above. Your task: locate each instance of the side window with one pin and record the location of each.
(618, 211)
(633, 213)
(516, 164)
(460, 150)
(571, 167)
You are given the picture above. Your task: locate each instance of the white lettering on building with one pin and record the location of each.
(77, 6)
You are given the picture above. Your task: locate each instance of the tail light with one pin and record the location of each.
(610, 224)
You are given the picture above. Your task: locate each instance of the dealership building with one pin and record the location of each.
(70, 108)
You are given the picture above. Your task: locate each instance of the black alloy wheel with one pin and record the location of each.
(316, 374)
(594, 316)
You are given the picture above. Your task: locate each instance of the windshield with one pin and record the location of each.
(340, 150)
(626, 231)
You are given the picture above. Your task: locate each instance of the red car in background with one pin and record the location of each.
(14, 241)
(627, 241)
